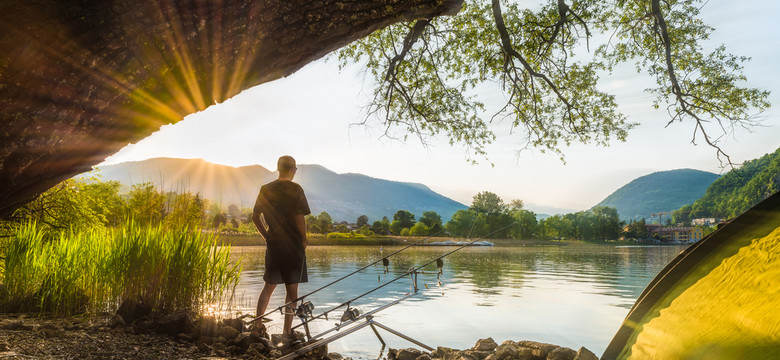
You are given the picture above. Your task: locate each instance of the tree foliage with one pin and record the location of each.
(402, 219)
(468, 224)
(737, 191)
(599, 223)
(94, 203)
(77, 205)
(146, 204)
(429, 72)
(432, 220)
(361, 221)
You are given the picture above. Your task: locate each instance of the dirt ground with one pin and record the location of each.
(23, 337)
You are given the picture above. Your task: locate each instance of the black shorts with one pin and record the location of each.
(285, 268)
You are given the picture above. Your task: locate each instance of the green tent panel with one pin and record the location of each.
(718, 299)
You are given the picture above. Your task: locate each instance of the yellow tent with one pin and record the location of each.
(718, 299)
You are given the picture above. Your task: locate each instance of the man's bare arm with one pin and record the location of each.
(300, 222)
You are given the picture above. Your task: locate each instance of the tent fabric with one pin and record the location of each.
(715, 300)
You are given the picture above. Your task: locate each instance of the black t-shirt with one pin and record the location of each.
(279, 201)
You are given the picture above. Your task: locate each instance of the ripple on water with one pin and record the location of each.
(568, 295)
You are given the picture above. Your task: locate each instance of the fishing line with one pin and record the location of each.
(383, 260)
(405, 274)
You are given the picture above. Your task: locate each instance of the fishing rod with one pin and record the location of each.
(352, 316)
(412, 271)
(383, 260)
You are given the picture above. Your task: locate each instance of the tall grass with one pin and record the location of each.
(93, 271)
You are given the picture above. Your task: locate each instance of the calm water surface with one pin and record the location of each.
(574, 295)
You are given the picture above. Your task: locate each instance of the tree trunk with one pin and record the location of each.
(79, 80)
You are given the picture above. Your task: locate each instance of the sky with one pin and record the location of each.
(312, 115)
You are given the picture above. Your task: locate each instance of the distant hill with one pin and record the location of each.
(662, 191)
(738, 190)
(343, 196)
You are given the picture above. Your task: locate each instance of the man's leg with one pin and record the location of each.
(291, 291)
(263, 300)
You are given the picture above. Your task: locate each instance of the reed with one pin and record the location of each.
(93, 271)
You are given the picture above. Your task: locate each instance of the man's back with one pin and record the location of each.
(280, 201)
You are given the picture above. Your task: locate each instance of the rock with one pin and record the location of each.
(408, 354)
(116, 321)
(15, 325)
(218, 346)
(51, 333)
(205, 340)
(561, 353)
(237, 324)
(245, 339)
(142, 326)
(275, 353)
(491, 357)
(267, 343)
(132, 310)
(258, 347)
(179, 321)
(585, 354)
(317, 353)
(478, 355)
(540, 350)
(235, 350)
(333, 356)
(485, 345)
(228, 332)
(184, 337)
(205, 326)
(441, 352)
(507, 350)
(423, 357)
(463, 355)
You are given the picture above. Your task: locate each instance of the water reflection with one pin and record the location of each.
(574, 295)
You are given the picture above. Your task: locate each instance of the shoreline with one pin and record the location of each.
(321, 240)
(23, 336)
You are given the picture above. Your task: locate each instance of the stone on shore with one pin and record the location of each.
(177, 322)
(132, 310)
(585, 354)
(485, 345)
(404, 354)
(561, 353)
(486, 349)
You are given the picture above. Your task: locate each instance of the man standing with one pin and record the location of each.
(279, 216)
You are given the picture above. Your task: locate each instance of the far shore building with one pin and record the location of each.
(704, 222)
(675, 234)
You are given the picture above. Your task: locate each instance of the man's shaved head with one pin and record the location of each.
(285, 165)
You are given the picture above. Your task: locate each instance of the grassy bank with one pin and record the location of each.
(93, 271)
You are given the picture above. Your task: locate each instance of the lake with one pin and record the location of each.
(571, 295)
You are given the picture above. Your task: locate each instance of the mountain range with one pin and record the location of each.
(343, 196)
(347, 196)
(662, 191)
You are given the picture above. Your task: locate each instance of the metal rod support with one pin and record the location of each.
(426, 347)
(325, 341)
(370, 313)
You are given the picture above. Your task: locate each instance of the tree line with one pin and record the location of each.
(488, 217)
(80, 204)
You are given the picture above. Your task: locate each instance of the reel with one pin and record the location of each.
(350, 314)
(305, 310)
